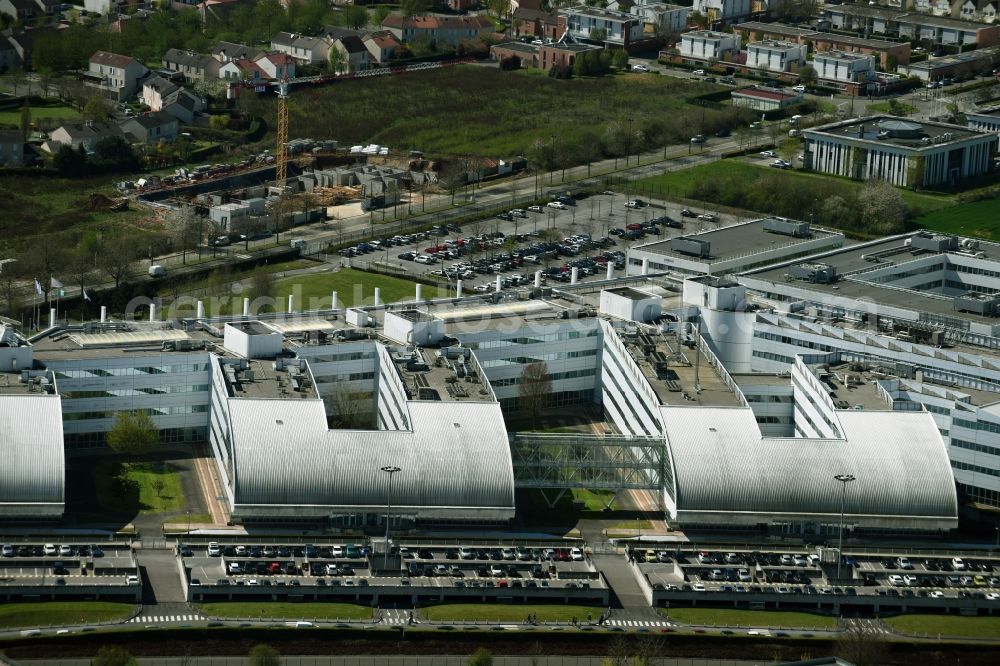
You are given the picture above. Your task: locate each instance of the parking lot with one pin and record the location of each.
(672, 576)
(352, 571)
(52, 570)
(586, 233)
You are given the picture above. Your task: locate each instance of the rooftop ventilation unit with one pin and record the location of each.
(786, 227)
(981, 304)
(933, 242)
(691, 246)
(815, 273)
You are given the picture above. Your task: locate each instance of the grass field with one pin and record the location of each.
(979, 218)
(353, 287)
(946, 625)
(749, 618)
(472, 110)
(682, 183)
(290, 611)
(61, 612)
(139, 494)
(508, 613)
(55, 111)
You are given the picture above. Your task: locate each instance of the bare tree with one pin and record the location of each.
(861, 643)
(533, 389)
(117, 256)
(349, 410)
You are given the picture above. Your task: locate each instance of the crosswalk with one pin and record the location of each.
(150, 619)
(637, 623)
(394, 616)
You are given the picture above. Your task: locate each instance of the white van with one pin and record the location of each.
(157, 271)
(298, 243)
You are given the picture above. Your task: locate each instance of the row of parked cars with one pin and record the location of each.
(349, 551)
(51, 550)
(939, 564)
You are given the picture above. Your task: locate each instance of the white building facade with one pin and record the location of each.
(708, 44)
(775, 56)
(843, 67)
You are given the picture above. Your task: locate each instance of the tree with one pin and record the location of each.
(533, 389)
(481, 657)
(356, 17)
(158, 484)
(414, 7)
(113, 655)
(349, 410)
(620, 59)
(379, 14)
(96, 109)
(337, 60)
(117, 256)
(807, 75)
(25, 120)
(598, 34)
(498, 9)
(883, 209)
(134, 434)
(264, 655)
(261, 286)
(861, 644)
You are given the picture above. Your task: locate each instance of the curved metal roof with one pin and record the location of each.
(723, 464)
(456, 457)
(33, 470)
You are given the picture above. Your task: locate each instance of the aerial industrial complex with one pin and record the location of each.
(737, 397)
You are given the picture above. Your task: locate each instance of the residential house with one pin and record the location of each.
(449, 30)
(911, 25)
(235, 216)
(542, 56)
(117, 76)
(764, 99)
(707, 45)
(382, 45)
(602, 25)
(970, 63)
(776, 56)
(843, 67)
(24, 11)
(888, 54)
(194, 66)
(11, 147)
(306, 50)
(531, 20)
(723, 11)
(976, 10)
(226, 52)
(354, 55)
(265, 67)
(159, 94)
(660, 18)
(150, 128)
(8, 55)
(86, 134)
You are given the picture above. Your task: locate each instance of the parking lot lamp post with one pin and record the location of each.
(844, 479)
(390, 470)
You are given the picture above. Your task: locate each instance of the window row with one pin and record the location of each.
(538, 358)
(553, 376)
(134, 392)
(152, 411)
(89, 373)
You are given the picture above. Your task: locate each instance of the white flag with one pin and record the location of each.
(56, 284)
(38, 287)
(86, 296)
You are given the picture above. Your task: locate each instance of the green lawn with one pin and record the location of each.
(979, 218)
(886, 107)
(56, 111)
(353, 287)
(749, 618)
(508, 613)
(278, 609)
(946, 625)
(60, 612)
(683, 183)
(593, 501)
(137, 493)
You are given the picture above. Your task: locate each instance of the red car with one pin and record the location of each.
(274, 568)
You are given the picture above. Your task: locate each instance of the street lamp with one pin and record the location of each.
(390, 470)
(844, 480)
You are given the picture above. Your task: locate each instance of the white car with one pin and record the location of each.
(745, 576)
(65, 550)
(466, 553)
(698, 587)
(699, 72)
(214, 550)
(640, 68)
(992, 596)
(910, 580)
(904, 563)
(799, 88)
(49, 549)
(558, 205)
(768, 153)
(131, 580)
(576, 555)
(936, 594)
(8, 550)
(535, 209)
(957, 563)
(895, 579)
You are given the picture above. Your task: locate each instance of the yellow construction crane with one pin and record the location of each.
(281, 154)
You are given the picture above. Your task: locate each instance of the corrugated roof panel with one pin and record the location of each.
(299, 462)
(33, 469)
(722, 463)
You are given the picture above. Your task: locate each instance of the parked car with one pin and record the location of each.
(698, 138)
(699, 72)
(640, 68)
(558, 205)
(799, 88)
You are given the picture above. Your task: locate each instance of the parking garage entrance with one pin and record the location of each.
(556, 463)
